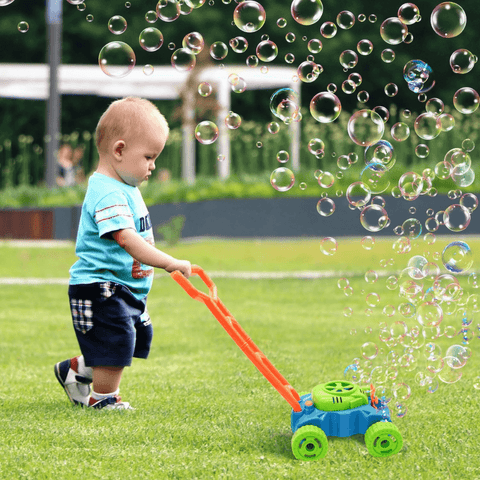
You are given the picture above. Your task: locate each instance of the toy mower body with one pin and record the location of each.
(337, 408)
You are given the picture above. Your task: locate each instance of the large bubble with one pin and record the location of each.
(393, 31)
(428, 126)
(282, 179)
(267, 51)
(325, 107)
(381, 152)
(306, 12)
(374, 218)
(419, 76)
(466, 100)
(183, 60)
(284, 104)
(448, 19)
(456, 218)
(365, 127)
(168, 10)
(410, 185)
(206, 132)
(408, 13)
(457, 257)
(116, 59)
(462, 61)
(249, 16)
(358, 194)
(150, 39)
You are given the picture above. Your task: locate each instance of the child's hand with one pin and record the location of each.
(183, 266)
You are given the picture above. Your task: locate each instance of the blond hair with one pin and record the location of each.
(126, 117)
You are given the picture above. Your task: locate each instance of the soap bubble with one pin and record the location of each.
(458, 159)
(449, 374)
(429, 314)
(328, 246)
(422, 150)
(469, 201)
(388, 55)
(412, 228)
(328, 30)
(358, 194)
(4, 3)
(456, 218)
(374, 218)
(460, 353)
(148, 69)
(468, 145)
(233, 120)
(326, 179)
(367, 242)
(365, 127)
(400, 131)
(419, 76)
(204, 89)
(314, 45)
(183, 60)
(463, 179)
(267, 51)
(283, 156)
(390, 89)
(325, 207)
(89, 17)
(435, 106)
(284, 104)
(448, 19)
(306, 12)
(249, 16)
(325, 107)
(218, 50)
(462, 61)
(345, 19)
(410, 185)
(428, 126)
(348, 59)
(282, 179)
(316, 146)
(150, 39)
(206, 132)
(466, 100)
(116, 59)
(383, 112)
(308, 71)
(393, 31)
(23, 27)
(117, 25)
(194, 42)
(238, 44)
(168, 10)
(457, 257)
(151, 16)
(348, 87)
(408, 14)
(364, 47)
(369, 350)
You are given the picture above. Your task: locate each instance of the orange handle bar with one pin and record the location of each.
(238, 335)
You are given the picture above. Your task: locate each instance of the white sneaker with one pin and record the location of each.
(110, 403)
(77, 387)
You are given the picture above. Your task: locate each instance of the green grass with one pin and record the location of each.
(202, 410)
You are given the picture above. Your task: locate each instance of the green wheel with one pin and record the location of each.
(309, 443)
(383, 439)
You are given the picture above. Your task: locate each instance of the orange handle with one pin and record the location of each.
(238, 335)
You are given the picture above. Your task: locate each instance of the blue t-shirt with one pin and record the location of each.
(111, 205)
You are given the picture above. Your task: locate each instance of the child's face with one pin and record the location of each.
(135, 157)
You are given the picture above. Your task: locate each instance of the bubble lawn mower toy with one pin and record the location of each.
(338, 408)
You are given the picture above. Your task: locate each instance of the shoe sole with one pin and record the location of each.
(60, 381)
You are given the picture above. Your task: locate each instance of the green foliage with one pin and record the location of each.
(171, 231)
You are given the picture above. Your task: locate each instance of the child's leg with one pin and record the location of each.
(106, 379)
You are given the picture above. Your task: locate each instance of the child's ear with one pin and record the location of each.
(118, 147)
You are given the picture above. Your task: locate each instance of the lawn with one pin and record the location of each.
(202, 410)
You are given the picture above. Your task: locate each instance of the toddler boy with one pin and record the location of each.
(113, 275)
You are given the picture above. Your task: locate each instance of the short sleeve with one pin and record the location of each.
(113, 213)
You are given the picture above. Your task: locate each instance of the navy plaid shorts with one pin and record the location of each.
(111, 324)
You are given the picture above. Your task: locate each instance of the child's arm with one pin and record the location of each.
(141, 250)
